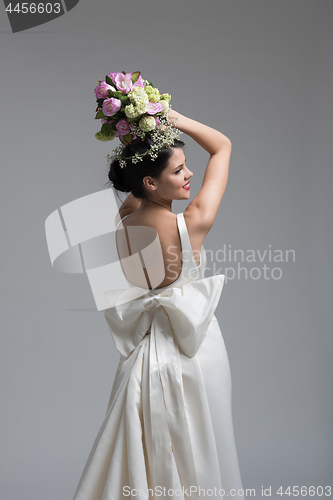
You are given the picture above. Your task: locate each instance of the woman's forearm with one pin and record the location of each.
(208, 138)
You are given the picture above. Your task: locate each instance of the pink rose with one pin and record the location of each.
(122, 127)
(101, 91)
(154, 107)
(157, 121)
(111, 106)
(124, 82)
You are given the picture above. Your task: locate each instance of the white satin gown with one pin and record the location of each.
(168, 430)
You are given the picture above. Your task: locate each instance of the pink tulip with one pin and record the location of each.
(124, 82)
(113, 76)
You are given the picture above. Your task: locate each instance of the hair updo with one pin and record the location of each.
(130, 178)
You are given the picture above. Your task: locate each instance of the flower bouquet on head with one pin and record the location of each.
(130, 107)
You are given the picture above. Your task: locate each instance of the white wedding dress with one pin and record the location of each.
(168, 430)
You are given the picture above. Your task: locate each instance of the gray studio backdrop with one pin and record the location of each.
(258, 70)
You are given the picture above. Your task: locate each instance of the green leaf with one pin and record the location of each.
(106, 133)
(149, 83)
(113, 124)
(125, 100)
(108, 80)
(99, 114)
(106, 129)
(124, 72)
(100, 102)
(117, 116)
(126, 139)
(135, 76)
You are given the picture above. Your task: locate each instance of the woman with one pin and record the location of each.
(151, 204)
(168, 430)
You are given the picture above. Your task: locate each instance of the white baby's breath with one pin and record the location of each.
(162, 136)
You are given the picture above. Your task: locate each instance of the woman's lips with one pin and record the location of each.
(187, 186)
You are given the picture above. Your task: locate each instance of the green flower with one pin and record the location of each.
(165, 97)
(152, 93)
(138, 105)
(105, 134)
(147, 123)
(165, 104)
(132, 111)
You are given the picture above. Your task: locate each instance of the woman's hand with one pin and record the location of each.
(208, 138)
(173, 116)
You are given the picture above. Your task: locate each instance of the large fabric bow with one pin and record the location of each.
(175, 321)
(189, 309)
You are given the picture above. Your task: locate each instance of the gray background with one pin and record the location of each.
(258, 70)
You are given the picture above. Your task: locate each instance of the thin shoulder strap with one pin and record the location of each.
(122, 220)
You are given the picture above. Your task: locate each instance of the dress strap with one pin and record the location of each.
(188, 255)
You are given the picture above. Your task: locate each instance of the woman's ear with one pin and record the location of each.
(149, 183)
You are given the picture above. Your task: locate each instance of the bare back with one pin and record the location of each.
(163, 224)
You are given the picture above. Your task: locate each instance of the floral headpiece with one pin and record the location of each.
(130, 107)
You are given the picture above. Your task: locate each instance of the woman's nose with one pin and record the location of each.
(189, 172)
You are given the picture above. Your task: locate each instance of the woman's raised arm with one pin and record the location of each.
(203, 208)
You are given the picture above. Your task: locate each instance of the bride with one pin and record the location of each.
(168, 429)
(155, 184)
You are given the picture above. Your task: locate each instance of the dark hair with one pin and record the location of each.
(129, 178)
